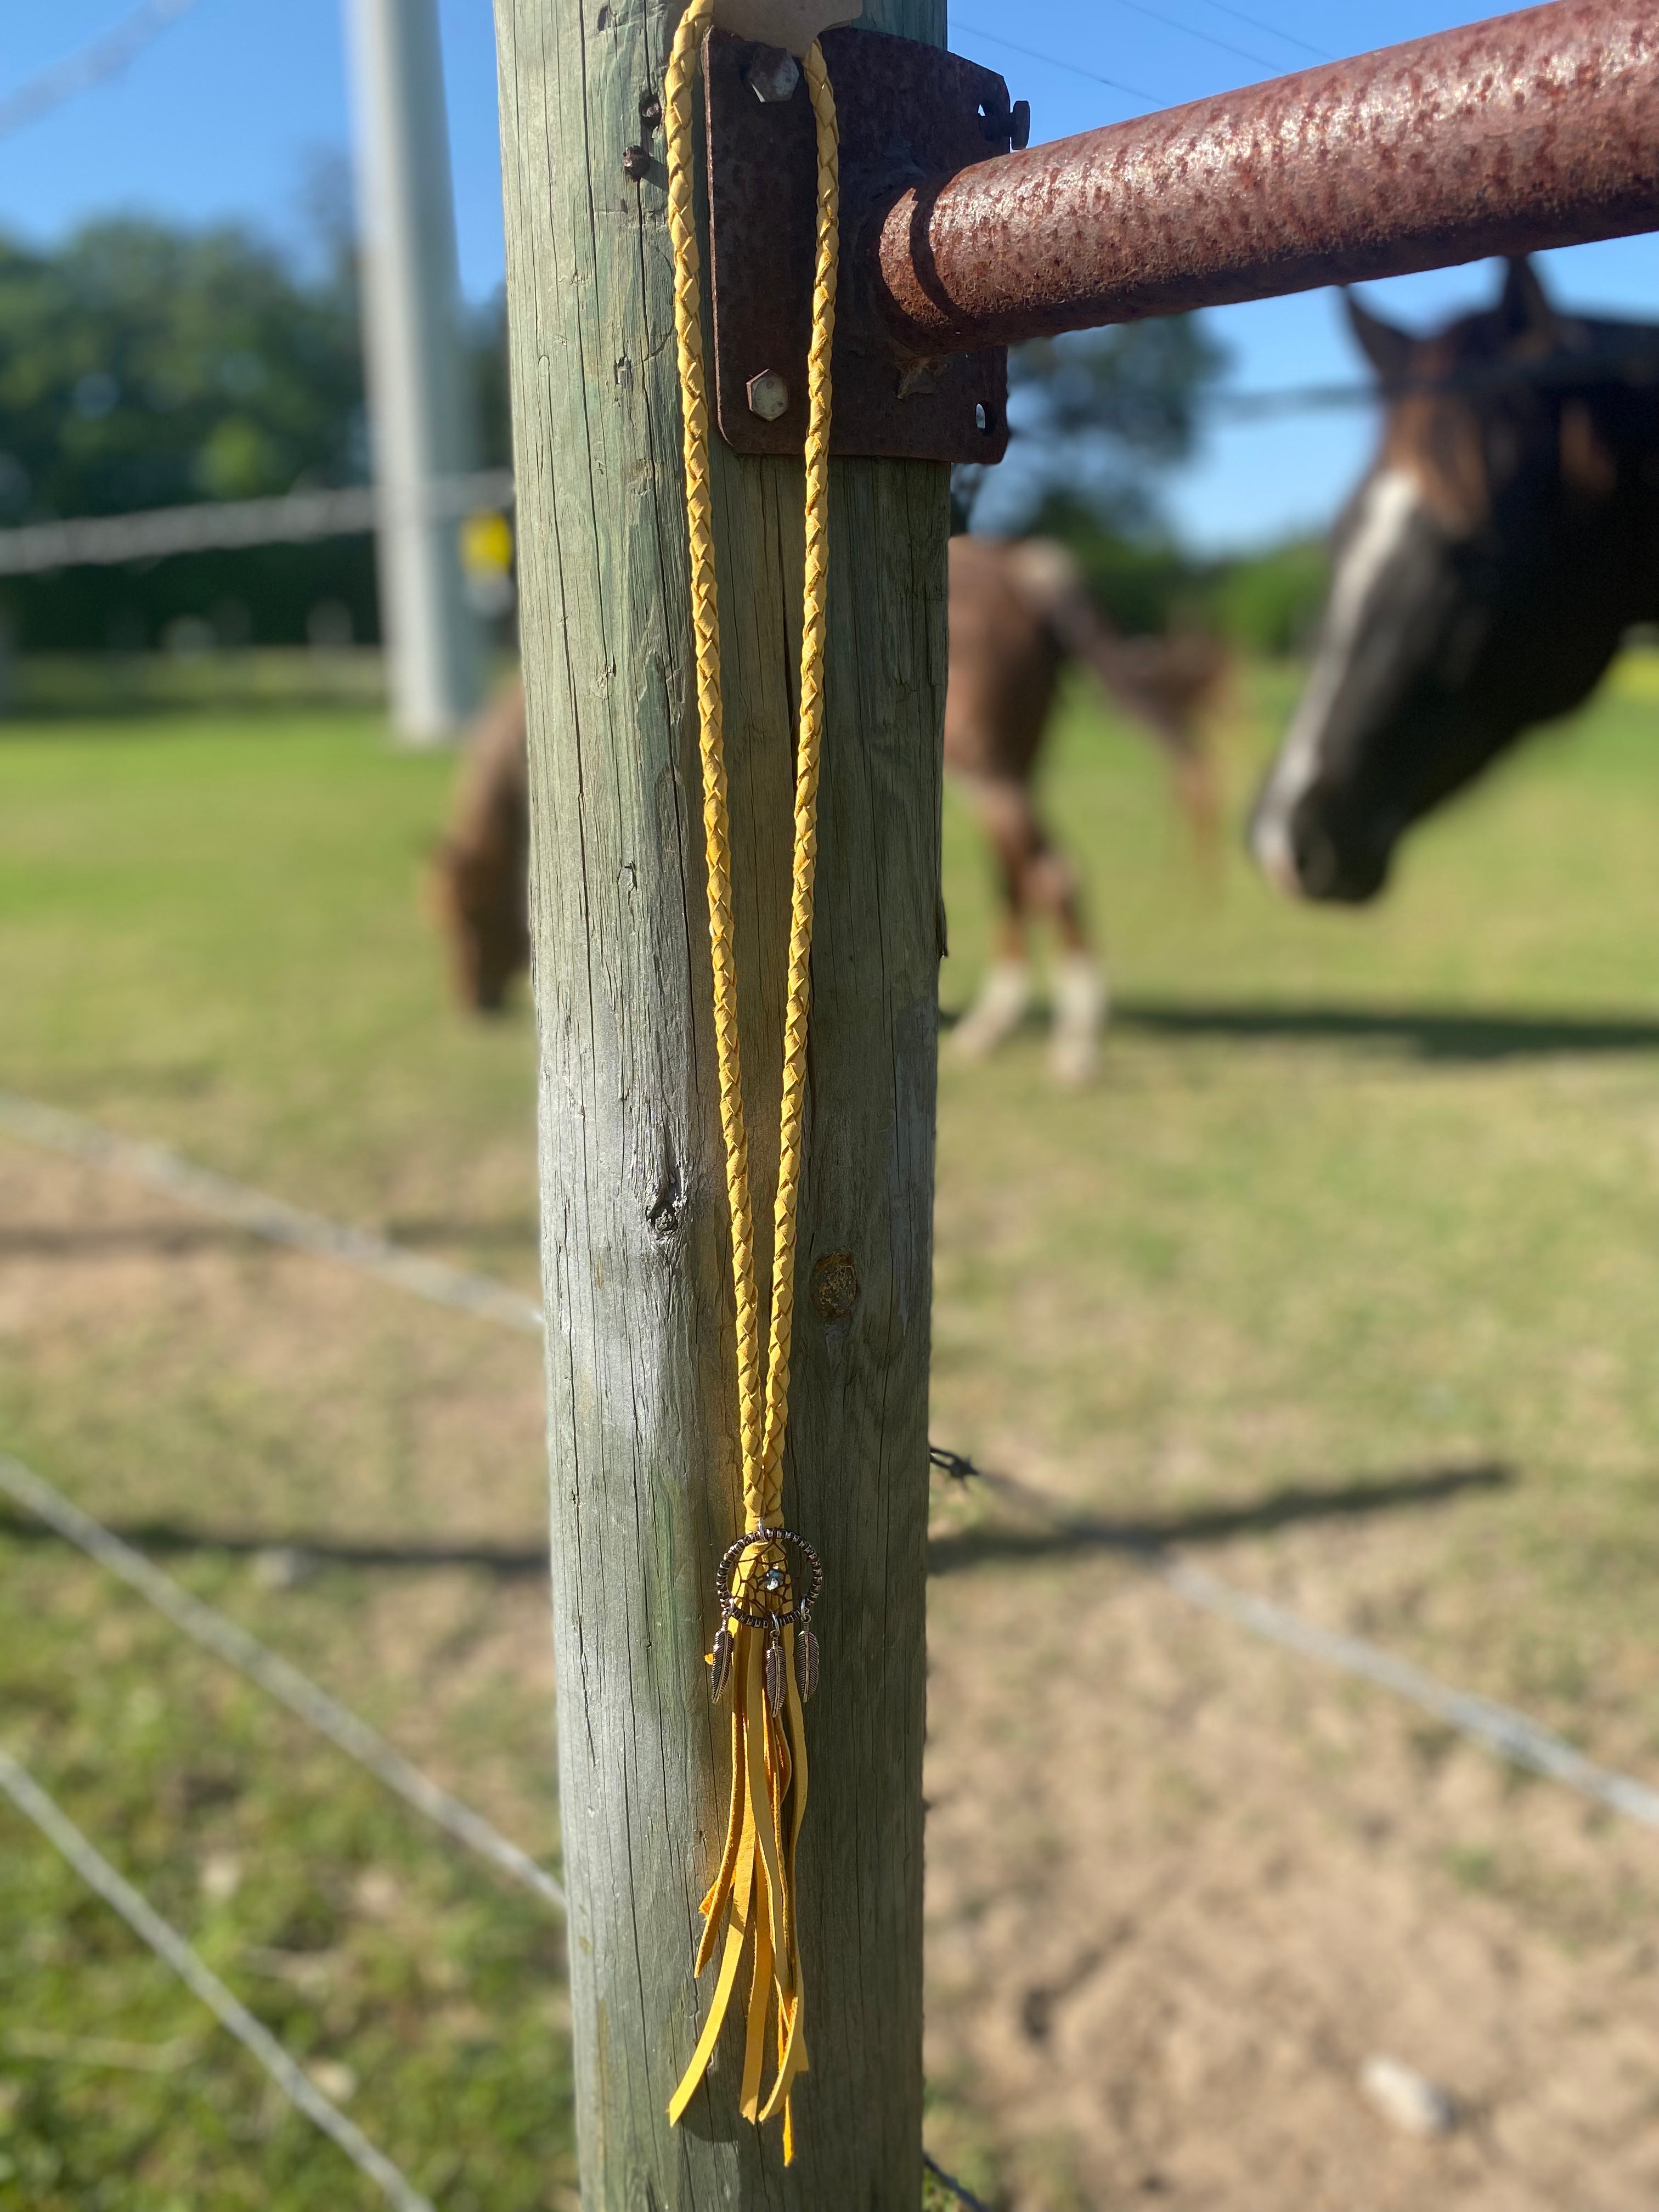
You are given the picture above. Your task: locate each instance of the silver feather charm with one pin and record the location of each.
(807, 1661)
(720, 1661)
(776, 1681)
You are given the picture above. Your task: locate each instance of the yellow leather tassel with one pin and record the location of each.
(752, 1898)
(770, 1580)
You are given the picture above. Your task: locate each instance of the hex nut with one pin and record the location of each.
(773, 75)
(768, 395)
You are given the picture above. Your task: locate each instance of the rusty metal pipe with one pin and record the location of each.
(1534, 130)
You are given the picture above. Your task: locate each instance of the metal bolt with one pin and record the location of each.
(636, 164)
(650, 110)
(1020, 120)
(768, 395)
(773, 75)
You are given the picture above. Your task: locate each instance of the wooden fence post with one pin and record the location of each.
(641, 1412)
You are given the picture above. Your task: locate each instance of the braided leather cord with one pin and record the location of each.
(752, 1897)
(768, 1502)
(762, 1445)
(688, 38)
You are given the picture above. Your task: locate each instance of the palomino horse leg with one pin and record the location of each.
(1000, 1004)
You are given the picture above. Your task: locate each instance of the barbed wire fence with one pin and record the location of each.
(308, 516)
(226, 526)
(290, 2078)
(262, 1215)
(228, 1640)
(1500, 1730)
(216, 1631)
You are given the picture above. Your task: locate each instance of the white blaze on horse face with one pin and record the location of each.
(1391, 499)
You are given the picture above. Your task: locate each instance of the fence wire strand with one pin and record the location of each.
(1512, 1735)
(948, 2182)
(207, 526)
(352, 1734)
(217, 1632)
(1500, 1729)
(273, 1218)
(93, 65)
(295, 2084)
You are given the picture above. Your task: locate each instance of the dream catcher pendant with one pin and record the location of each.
(767, 1602)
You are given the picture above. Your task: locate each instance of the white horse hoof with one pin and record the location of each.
(996, 1013)
(1082, 1002)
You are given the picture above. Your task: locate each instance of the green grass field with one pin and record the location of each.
(1361, 1190)
(1358, 1200)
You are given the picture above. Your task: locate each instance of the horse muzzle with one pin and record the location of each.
(1310, 855)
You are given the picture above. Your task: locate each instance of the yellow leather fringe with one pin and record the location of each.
(753, 1896)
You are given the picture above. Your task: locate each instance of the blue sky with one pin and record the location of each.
(231, 110)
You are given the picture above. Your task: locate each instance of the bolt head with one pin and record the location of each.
(768, 395)
(773, 75)
(636, 164)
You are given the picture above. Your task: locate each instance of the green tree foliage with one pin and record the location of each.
(1144, 584)
(1269, 603)
(145, 366)
(1093, 420)
(1093, 417)
(1100, 411)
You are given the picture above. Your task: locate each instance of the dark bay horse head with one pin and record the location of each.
(1482, 576)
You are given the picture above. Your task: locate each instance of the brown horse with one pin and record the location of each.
(481, 869)
(1505, 538)
(1019, 613)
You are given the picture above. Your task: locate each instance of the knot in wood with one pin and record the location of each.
(835, 1287)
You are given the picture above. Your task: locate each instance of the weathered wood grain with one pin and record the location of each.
(641, 1407)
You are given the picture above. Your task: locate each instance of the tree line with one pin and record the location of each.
(143, 365)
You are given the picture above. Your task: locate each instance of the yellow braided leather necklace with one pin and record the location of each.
(769, 1579)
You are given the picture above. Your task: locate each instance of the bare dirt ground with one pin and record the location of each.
(1181, 1886)
(289, 1404)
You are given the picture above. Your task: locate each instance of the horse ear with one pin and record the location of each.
(1387, 349)
(1525, 308)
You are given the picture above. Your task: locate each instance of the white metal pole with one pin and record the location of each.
(418, 409)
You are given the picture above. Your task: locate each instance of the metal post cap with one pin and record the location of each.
(791, 24)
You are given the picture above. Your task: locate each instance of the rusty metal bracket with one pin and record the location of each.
(908, 113)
